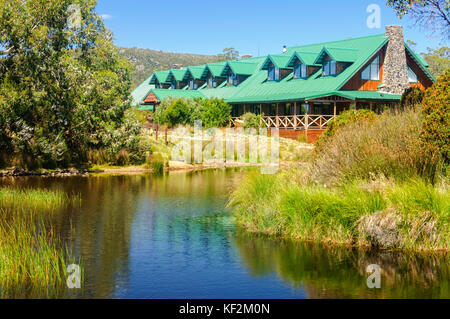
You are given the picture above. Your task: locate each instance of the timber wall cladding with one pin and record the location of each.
(151, 98)
(424, 82)
(357, 84)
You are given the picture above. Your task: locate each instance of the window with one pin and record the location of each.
(274, 73)
(300, 71)
(173, 85)
(329, 68)
(232, 79)
(372, 71)
(193, 85)
(412, 76)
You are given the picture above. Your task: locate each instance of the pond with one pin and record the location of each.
(171, 236)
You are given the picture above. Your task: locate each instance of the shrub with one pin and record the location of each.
(251, 120)
(435, 132)
(178, 112)
(388, 146)
(212, 112)
(412, 97)
(345, 118)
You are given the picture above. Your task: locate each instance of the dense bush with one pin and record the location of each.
(412, 97)
(436, 125)
(251, 120)
(389, 145)
(345, 118)
(62, 87)
(212, 112)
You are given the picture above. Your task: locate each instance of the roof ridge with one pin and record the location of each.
(342, 40)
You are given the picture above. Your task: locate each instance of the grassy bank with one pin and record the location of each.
(33, 259)
(371, 183)
(411, 215)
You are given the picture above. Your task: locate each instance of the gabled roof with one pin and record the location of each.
(240, 67)
(278, 60)
(256, 88)
(337, 54)
(139, 93)
(196, 71)
(215, 68)
(307, 58)
(161, 76)
(423, 65)
(178, 74)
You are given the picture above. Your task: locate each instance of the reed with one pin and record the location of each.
(33, 258)
(412, 215)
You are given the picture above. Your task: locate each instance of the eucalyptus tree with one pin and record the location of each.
(63, 87)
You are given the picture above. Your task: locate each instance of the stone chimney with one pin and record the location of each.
(395, 70)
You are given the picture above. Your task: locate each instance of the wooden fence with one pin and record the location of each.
(293, 122)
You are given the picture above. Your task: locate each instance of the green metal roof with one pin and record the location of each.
(337, 54)
(307, 58)
(161, 76)
(240, 67)
(196, 71)
(178, 74)
(256, 88)
(278, 60)
(141, 92)
(423, 65)
(216, 68)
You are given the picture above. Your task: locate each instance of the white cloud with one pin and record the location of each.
(106, 16)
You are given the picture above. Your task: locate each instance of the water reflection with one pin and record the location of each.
(336, 272)
(171, 237)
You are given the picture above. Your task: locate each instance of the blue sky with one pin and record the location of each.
(252, 27)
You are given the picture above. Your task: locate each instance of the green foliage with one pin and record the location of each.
(438, 60)
(63, 87)
(157, 163)
(34, 259)
(388, 146)
(212, 112)
(344, 119)
(228, 54)
(251, 120)
(436, 126)
(411, 214)
(412, 97)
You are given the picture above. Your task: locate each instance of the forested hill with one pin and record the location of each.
(146, 61)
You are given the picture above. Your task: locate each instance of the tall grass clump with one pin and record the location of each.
(412, 214)
(389, 146)
(33, 258)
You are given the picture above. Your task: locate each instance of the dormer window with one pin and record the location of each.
(193, 85)
(329, 68)
(372, 71)
(274, 73)
(212, 82)
(412, 76)
(300, 71)
(232, 79)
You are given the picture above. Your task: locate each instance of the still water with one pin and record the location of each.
(171, 236)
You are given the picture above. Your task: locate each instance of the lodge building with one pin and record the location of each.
(304, 87)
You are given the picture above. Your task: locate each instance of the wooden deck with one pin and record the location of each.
(292, 122)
